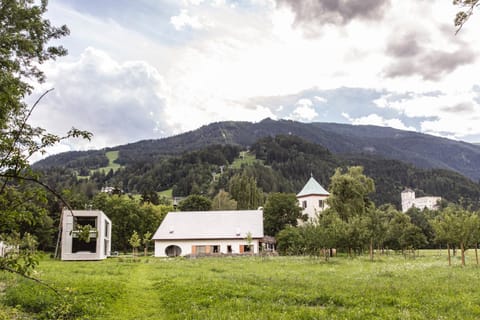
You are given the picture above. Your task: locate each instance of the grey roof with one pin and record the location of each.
(312, 187)
(211, 225)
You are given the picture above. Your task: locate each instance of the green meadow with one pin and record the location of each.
(391, 287)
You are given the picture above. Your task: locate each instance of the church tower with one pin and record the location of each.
(312, 198)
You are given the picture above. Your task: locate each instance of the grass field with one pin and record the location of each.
(112, 156)
(245, 158)
(391, 287)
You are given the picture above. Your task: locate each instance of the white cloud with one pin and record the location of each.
(117, 102)
(453, 113)
(254, 50)
(304, 111)
(185, 20)
(376, 120)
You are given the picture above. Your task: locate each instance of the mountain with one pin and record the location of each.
(420, 150)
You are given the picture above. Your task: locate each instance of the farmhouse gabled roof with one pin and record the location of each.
(312, 187)
(211, 225)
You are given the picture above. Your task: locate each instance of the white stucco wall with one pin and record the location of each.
(313, 207)
(186, 245)
(2, 249)
(420, 203)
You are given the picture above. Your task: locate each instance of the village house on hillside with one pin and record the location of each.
(409, 201)
(312, 198)
(99, 245)
(209, 232)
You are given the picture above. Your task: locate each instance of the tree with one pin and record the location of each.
(402, 234)
(244, 190)
(150, 197)
(134, 242)
(466, 10)
(290, 241)
(127, 215)
(349, 192)
(376, 228)
(147, 237)
(223, 201)
(457, 226)
(281, 209)
(195, 202)
(349, 199)
(24, 37)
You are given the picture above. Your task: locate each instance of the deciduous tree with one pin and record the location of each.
(281, 209)
(195, 202)
(223, 201)
(244, 190)
(134, 242)
(349, 192)
(24, 38)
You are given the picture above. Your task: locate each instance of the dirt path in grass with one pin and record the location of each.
(139, 299)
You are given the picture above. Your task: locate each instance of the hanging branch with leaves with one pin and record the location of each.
(466, 10)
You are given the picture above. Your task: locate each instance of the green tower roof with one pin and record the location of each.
(312, 187)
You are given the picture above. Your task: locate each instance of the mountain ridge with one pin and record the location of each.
(421, 150)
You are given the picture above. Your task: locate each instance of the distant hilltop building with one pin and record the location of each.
(312, 198)
(409, 200)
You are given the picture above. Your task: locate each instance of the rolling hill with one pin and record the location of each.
(420, 150)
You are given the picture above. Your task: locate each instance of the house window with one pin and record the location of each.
(229, 249)
(215, 249)
(83, 221)
(246, 248)
(200, 249)
(81, 245)
(321, 204)
(106, 229)
(304, 204)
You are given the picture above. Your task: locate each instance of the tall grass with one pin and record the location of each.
(391, 287)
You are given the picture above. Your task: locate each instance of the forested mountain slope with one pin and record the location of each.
(421, 150)
(280, 164)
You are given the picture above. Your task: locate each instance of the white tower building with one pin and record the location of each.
(312, 198)
(409, 200)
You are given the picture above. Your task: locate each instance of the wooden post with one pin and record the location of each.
(476, 252)
(371, 249)
(449, 258)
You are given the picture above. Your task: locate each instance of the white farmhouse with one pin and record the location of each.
(209, 232)
(312, 198)
(99, 245)
(409, 200)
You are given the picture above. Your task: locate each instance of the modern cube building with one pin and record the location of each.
(98, 246)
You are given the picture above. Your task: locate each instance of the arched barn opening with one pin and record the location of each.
(173, 251)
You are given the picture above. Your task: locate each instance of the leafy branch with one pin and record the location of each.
(467, 6)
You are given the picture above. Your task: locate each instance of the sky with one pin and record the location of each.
(149, 69)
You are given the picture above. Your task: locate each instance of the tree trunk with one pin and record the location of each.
(371, 249)
(462, 249)
(145, 251)
(476, 252)
(449, 257)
